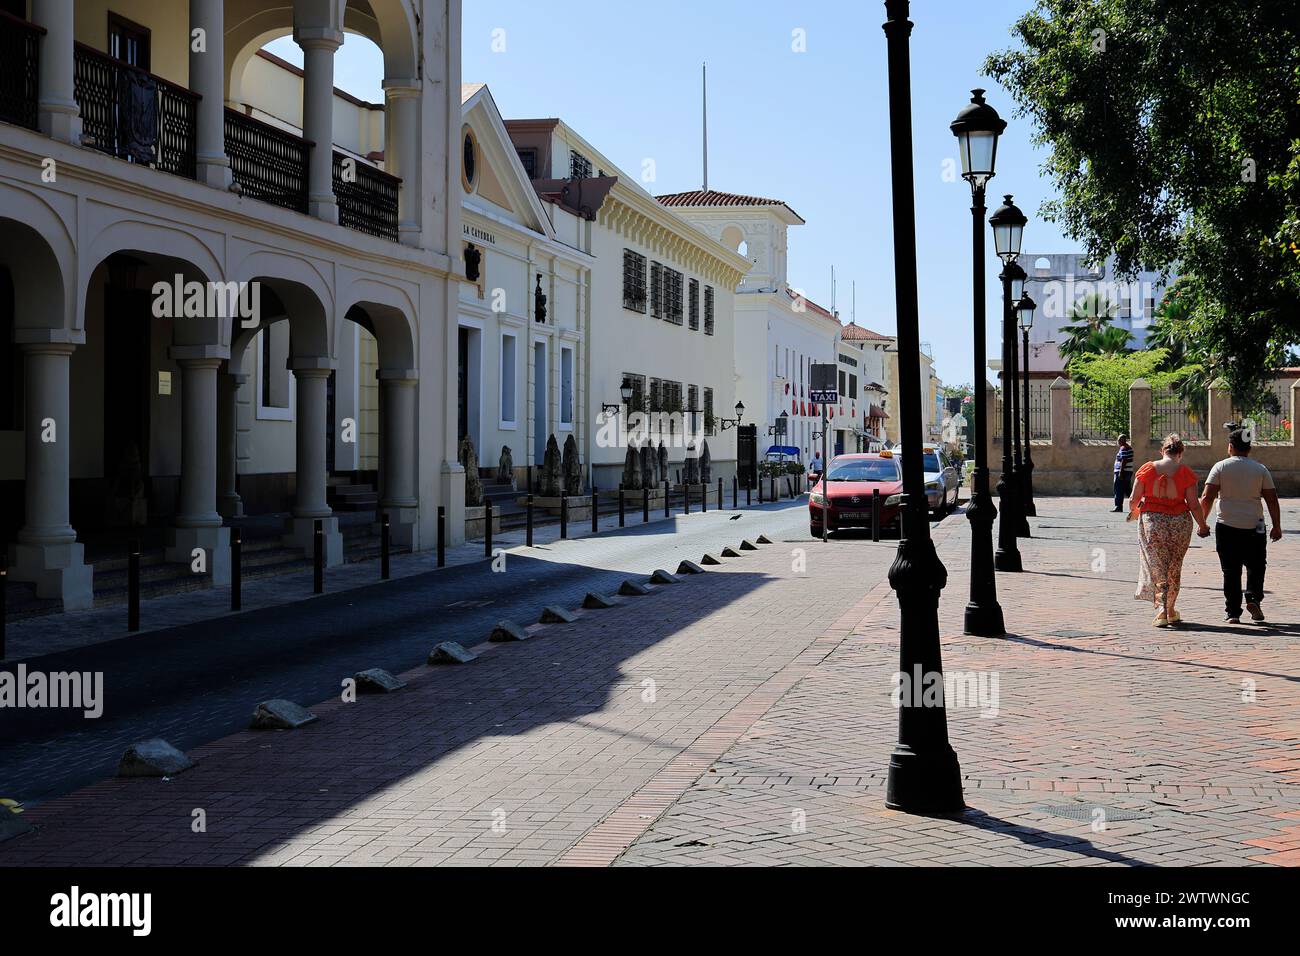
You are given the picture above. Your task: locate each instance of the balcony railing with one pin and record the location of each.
(133, 114)
(268, 163)
(20, 50)
(367, 197)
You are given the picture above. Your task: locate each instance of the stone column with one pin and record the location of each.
(47, 553)
(312, 431)
(229, 504)
(398, 388)
(1139, 419)
(208, 79)
(318, 48)
(402, 153)
(60, 117)
(197, 523)
(1062, 413)
(1220, 409)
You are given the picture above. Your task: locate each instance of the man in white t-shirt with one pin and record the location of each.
(1239, 484)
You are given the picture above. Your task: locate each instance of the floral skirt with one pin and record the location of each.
(1164, 540)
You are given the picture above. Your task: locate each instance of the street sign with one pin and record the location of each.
(823, 396)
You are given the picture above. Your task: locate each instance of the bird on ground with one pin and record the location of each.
(735, 517)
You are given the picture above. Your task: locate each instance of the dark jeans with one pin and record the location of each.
(1238, 547)
(1123, 488)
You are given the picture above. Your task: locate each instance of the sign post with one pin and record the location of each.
(824, 393)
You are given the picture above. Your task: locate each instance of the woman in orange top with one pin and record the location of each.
(1164, 496)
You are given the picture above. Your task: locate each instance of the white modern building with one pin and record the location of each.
(780, 333)
(187, 280)
(661, 310)
(1059, 281)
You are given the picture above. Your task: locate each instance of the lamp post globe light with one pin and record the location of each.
(1018, 278)
(1025, 308)
(924, 776)
(1008, 229)
(977, 128)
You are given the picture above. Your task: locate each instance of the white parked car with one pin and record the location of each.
(942, 480)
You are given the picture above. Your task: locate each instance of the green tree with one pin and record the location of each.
(1172, 130)
(1091, 331)
(1100, 383)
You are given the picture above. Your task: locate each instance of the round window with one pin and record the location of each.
(469, 161)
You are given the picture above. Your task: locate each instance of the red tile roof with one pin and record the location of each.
(698, 197)
(852, 332)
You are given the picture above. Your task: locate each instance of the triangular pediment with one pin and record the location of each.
(501, 188)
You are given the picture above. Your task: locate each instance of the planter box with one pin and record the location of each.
(476, 522)
(631, 496)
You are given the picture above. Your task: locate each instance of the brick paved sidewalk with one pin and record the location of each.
(744, 717)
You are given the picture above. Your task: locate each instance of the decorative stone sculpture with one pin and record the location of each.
(647, 465)
(692, 476)
(552, 470)
(539, 301)
(572, 468)
(663, 462)
(473, 483)
(631, 470)
(506, 467)
(706, 465)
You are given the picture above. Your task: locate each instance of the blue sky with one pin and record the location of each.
(809, 128)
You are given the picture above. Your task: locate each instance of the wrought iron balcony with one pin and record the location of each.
(268, 164)
(133, 114)
(367, 197)
(20, 50)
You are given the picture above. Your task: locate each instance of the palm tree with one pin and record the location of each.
(1109, 341)
(1092, 314)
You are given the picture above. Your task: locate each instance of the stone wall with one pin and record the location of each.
(1069, 466)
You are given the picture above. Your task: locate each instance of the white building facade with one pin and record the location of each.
(134, 165)
(661, 311)
(780, 333)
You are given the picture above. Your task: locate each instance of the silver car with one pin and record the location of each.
(942, 480)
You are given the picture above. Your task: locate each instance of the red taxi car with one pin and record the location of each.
(843, 498)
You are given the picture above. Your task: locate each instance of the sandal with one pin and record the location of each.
(1161, 620)
(1175, 617)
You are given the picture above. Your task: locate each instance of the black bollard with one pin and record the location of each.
(4, 583)
(735, 492)
(564, 516)
(530, 479)
(318, 558)
(875, 514)
(236, 569)
(645, 504)
(595, 509)
(529, 508)
(704, 498)
(133, 588)
(719, 494)
(442, 536)
(621, 507)
(385, 543)
(487, 528)
(760, 489)
(749, 489)
(667, 499)
(686, 497)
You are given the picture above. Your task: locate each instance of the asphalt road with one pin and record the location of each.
(195, 684)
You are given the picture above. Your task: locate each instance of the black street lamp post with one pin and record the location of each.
(977, 128)
(1008, 227)
(1025, 309)
(1018, 278)
(924, 776)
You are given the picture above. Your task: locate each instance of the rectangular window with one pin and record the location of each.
(128, 42)
(709, 424)
(693, 304)
(633, 281)
(692, 397)
(579, 165)
(508, 380)
(672, 295)
(636, 403)
(843, 382)
(853, 386)
(275, 372)
(656, 290)
(656, 394)
(566, 386)
(708, 310)
(528, 157)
